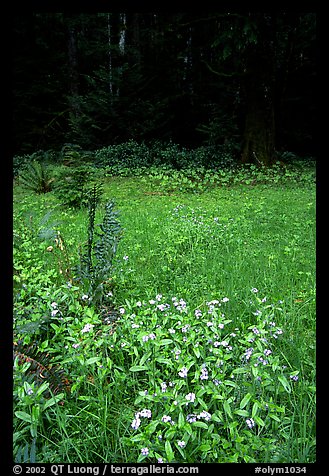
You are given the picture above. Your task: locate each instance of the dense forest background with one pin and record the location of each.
(244, 80)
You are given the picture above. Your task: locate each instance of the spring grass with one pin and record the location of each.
(197, 247)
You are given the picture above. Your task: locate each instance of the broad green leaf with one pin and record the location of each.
(205, 447)
(274, 417)
(259, 421)
(162, 360)
(24, 416)
(242, 413)
(92, 360)
(200, 424)
(254, 410)
(165, 342)
(227, 409)
(53, 400)
(169, 451)
(284, 383)
(181, 420)
(245, 400)
(144, 358)
(137, 368)
(196, 351)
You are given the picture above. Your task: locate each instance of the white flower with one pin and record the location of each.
(135, 423)
(138, 304)
(145, 413)
(190, 397)
(87, 328)
(145, 451)
(85, 297)
(122, 310)
(166, 418)
(205, 415)
(225, 299)
(182, 443)
(254, 290)
(54, 304)
(250, 422)
(183, 372)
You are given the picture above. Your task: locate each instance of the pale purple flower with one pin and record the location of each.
(138, 304)
(158, 297)
(122, 310)
(126, 258)
(205, 415)
(145, 338)
(204, 374)
(198, 313)
(135, 423)
(166, 418)
(177, 353)
(163, 387)
(54, 312)
(183, 372)
(267, 352)
(87, 328)
(75, 346)
(160, 460)
(182, 444)
(145, 451)
(250, 423)
(190, 397)
(54, 305)
(151, 301)
(254, 290)
(225, 299)
(145, 413)
(152, 336)
(191, 418)
(294, 378)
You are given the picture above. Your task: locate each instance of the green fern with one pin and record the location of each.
(41, 368)
(27, 453)
(35, 177)
(97, 255)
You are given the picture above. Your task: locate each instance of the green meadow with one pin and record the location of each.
(202, 348)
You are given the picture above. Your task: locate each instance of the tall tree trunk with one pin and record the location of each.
(73, 69)
(259, 132)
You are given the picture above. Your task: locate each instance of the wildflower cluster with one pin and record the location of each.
(203, 371)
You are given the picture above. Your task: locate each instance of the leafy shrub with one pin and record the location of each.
(128, 154)
(73, 155)
(73, 185)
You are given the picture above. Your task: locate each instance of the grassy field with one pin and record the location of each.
(212, 355)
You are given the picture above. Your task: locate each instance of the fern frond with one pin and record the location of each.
(27, 453)
(41, 368)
